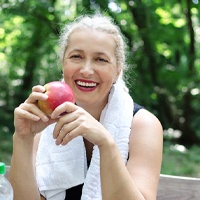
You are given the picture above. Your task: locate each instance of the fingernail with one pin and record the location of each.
(45, 119)
(52, 116)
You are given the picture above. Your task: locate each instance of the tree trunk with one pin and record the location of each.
(188, 134)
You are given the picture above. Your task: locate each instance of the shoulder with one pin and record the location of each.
(146, 130)
(145, 119)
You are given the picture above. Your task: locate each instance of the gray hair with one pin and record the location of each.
(95, 22)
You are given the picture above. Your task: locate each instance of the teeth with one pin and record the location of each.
(84, 84)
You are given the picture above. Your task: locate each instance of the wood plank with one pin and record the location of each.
(178, 188)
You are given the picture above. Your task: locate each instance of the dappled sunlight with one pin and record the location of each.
(178, 147)
(195, 91)
(171, 133)
(114, 7)
(195, 1)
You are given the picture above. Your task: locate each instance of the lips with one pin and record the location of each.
(86, 85)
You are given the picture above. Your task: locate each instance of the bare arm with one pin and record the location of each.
(139, 179)
(136, 181)
(29, 121)
(22, 171)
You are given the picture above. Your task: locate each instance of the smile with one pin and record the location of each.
(86, 84)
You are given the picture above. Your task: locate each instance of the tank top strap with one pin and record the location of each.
(137, 107)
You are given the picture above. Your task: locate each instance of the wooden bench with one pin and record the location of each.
(178, 188)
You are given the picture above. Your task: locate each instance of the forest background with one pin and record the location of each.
(163, 59)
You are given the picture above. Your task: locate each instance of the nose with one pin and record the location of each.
(87, 69)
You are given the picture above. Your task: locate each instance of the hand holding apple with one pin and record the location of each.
(58, 93)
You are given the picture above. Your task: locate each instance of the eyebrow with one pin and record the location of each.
(79, 50)
(98, 53)
(102, 53)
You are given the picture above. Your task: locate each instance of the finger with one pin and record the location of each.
(64, 131)
(19, 113)
(66, 107)
(75, 132)
(64, 138)
(34, 110)
(35, 96)
(70, 136)
(64, 121)
(38, 88)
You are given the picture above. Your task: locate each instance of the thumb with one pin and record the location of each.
(64, 108)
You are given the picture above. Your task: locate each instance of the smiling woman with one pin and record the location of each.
(96, 149)
(88, 59)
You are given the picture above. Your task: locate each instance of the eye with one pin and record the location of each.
(75, 56)
(100, 59)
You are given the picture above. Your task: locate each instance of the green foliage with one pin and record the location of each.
(5, 145)
(180, 163)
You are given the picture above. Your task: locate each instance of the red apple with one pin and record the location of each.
(58, 93)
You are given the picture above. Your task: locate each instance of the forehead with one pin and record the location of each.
(94, 40)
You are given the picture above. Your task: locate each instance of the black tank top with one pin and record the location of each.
(75, 193)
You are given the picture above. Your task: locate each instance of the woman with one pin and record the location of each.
(98, 150)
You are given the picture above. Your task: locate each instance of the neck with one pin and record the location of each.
(94, 110)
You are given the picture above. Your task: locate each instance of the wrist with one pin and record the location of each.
(107, 143)
(23, 138)
(22, 147)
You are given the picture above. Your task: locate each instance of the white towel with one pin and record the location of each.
(61, 167)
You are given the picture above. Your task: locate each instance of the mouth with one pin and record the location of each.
(86, 85)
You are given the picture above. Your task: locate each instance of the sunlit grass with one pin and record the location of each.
(181, 163)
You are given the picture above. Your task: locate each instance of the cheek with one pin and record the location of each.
(68, 71)
(111, 75)
(108, 78)
(67, 75)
